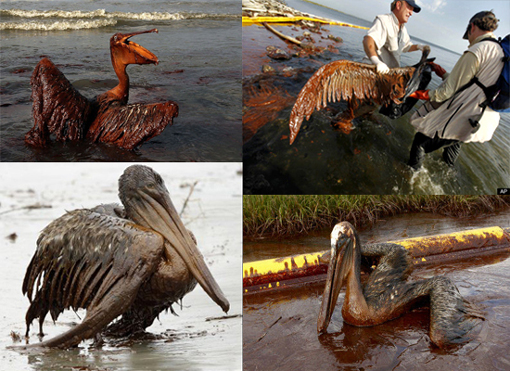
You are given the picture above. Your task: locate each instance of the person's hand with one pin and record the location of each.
(423, 47)
(380, 66)
(420, 94)
(440, 71)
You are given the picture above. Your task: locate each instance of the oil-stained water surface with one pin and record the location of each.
(199, 49)
(280, 327)
(198, 338)
(372, 159)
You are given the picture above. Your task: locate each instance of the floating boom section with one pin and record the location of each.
(289, 271)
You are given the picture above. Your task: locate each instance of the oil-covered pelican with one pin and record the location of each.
(132, 262)
(59, 109)
(358, 84)
(386, 294)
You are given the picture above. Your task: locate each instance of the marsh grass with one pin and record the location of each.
(283, 216)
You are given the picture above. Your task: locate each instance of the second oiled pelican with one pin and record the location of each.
(133, 262)
(386, 294)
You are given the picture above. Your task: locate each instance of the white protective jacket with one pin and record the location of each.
(451, 119)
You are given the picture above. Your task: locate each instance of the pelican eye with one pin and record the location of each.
(151, 185)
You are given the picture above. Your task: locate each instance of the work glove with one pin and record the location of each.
(420, 94)
(440, 71)
(380, 66)
(422, 47)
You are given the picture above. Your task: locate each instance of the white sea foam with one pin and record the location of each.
(422, 183)
(147, 16)
(101, 13)
(58, 25)
(53, 13)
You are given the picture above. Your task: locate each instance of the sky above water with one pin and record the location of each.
(442, 22)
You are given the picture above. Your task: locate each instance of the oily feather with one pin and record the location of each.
(58, 108)
(78, 264)
(128, 126)
(350, 81)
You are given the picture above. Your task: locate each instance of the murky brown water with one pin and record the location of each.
(195, 340)
(279, 328)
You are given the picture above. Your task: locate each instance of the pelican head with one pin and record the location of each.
(124, 51)
(343, 244)
(147, 202)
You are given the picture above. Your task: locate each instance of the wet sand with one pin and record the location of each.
(198, 338)
(280, 327)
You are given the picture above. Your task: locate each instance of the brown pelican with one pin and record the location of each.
(59, 109)
(359, 84)
(386, 295)
(132, 262)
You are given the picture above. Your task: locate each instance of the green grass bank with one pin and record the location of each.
(284, 216)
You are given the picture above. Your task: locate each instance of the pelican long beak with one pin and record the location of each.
(127, 52)
(339, 265)
(158, 212)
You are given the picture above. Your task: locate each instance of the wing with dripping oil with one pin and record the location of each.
(57, 107)
(91, 260)
(128, 126)
(349, 81)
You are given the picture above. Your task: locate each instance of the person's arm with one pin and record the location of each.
(371, 52)
(369, 46)
(463, 71)
(416, 47)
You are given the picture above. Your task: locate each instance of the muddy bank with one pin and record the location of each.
(271, 8)
(283, 216)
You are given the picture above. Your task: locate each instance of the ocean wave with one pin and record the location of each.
(53, 13)
(102, 13)
(157, 16)
(147, 16)
(58, 25)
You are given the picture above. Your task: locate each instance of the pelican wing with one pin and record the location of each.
(93, 260)
(57, 107)
(128, 126)
(347, 80)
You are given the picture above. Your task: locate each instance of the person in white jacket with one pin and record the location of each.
(387, 39)
(453, 112)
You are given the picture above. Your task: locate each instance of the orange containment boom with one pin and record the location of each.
(307, 268)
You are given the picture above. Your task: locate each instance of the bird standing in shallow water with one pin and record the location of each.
(133, 262)
(59, 109)
(386, 294)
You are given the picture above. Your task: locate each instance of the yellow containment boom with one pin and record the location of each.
(248, 21)
(305, 268)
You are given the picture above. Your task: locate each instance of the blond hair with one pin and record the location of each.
(488, 22)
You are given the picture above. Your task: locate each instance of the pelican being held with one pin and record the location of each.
(386, 294)
(59, 109)
(133, 262)
(359, 84)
